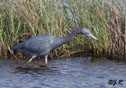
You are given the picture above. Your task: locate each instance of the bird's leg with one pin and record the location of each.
(46, 59)
(31, 59)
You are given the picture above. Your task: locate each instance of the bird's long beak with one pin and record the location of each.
(92, 36)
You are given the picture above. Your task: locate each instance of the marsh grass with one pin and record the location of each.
(28, 18)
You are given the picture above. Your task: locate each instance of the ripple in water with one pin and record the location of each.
(76, 72)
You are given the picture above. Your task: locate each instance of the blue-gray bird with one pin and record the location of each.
(42, 45)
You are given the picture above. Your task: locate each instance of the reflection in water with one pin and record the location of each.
(62, 73)
(30, 69)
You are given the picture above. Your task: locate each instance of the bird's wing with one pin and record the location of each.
(37, 44)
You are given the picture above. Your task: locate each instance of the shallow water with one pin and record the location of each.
(84, 72)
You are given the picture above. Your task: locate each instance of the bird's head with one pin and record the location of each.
(87, 33)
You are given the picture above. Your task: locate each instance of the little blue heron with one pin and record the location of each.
(42, 45)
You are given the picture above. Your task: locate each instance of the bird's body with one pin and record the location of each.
(37, 46)
(42, 45)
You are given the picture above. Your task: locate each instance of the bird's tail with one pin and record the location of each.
(17, 46)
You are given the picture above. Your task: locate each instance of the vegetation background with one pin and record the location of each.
(22, 19)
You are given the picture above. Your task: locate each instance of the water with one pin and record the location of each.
(84, 72)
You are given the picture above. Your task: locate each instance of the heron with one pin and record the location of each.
(42, 45)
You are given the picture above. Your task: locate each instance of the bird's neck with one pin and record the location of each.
(63, 40)
(70, 36)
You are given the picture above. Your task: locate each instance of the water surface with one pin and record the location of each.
(76, 72)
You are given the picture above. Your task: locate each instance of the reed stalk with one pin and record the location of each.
(28, 18)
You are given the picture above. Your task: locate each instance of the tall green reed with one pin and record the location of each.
(28, 18)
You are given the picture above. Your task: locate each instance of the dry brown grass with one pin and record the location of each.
(116, 31)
